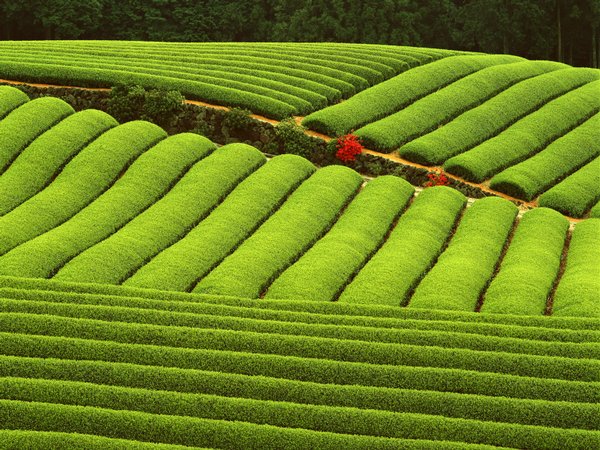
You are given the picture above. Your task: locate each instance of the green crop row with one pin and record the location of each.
(236, 317)
(10, 99)
(579, 191)
(86, 176)
(576, 328)
(180, 266)
(43, 159)
(198, 192)
(447, 338)
(396, 93)
(477, 380)
(530, 266)
(410, 250)
(332, 419)
(441, 106)
(308, 213)
(557, 161)
(222, 434)
(578, 291)
(475, 126)
(207, 341)
(81, 76)
(461, 273)
(25, 123)
(531, 135)
(557, 414)
(323, 271)
(148, 179)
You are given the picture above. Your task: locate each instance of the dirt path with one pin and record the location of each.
(298, 119)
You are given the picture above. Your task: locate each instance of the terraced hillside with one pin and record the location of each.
(87, 200)
(278, 80)
(116, 367)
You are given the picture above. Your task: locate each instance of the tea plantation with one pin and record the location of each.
(163, 292)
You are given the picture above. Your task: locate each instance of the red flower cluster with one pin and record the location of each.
(437, 179)
(348, 147)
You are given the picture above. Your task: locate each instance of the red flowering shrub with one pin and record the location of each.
(437, 179)
(348, 146)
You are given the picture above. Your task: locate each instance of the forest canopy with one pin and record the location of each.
(564, 30)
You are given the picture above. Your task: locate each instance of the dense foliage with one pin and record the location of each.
(566, 30)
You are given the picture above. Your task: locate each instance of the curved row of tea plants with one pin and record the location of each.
(277, 80)
(142, 368)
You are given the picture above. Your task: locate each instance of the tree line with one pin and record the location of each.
(563, 30)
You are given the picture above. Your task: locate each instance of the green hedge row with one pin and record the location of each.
(321, 312)
(333, 419)
(531, 135)
(208, 341)
(25, 123)
(166, 221)
(530, 266)
(14, 439)
(428, 113)
(222, 95)
(554, 163)
(577, 193)
(447, 338)
(87, 175)
(306, 215)
(43, 159)
(323, 271)
(396, 93)
(559, 414)
(10, 99)
(462, 272)
(233, 317)
(475, 126)
(479, 379)
(195, 432)
(410, 250)
(149, 178)
(180, 266)
(578, 292)
(301, 99)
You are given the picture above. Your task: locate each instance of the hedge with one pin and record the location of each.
(25, 123)
(222, 95)
(530, 266)
(88, 175)
(447, 338)
(578, 292)
(557, 414)
(443, 105)
(577, 193)
(235, 317)
(475, 126)
(342, 420)
(444, 379)
(306, 215)
(531, 135)
(43, 159)
(149, 178)
(396, 93)
(166, 221)
(460, 275)
(322, 272)
(409, 251)
(386, 316)
(554, 163)
(180, 266)
(207, 341)
(10, 99)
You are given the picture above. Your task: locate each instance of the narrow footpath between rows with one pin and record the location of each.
(484, 187)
